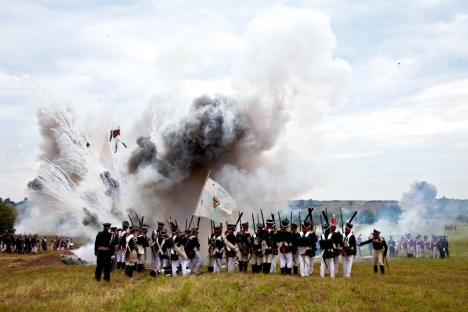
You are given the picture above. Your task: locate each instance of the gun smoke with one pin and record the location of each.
(255, 138)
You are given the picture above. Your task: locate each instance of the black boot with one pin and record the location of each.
(288, 271)
(118, 265)
(266, 268)
(245, 266)
(282, 271)
(255, 268)
(375, 269)
(129, 270)
(241, 266)
(210, 269)
(382, 269)
(296, 269)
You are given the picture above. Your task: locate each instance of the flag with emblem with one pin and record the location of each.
(215, 203)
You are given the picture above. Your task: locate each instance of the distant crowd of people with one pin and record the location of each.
(25, 244)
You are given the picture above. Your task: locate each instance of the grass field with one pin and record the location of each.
(42, 283)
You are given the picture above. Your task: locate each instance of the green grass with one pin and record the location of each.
(412, 285)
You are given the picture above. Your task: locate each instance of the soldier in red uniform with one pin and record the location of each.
(115, 134)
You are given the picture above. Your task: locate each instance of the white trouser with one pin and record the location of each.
(154, 259)
(418, 251)
(175, 265)
(296, 258)
(306, 265)
(434, 249)
(194, 264)
(231, 264)
(218, 265)
(331, 267)
(183, 266)
(34, 249)
(286, 260)
(347, 265)
(141, 259)
(162, 264)
(426, 252)
(256, 260)
(336, 260)
(120, 255)
(267, 258)
(274, 259)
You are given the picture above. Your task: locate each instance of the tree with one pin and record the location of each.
(7, 218)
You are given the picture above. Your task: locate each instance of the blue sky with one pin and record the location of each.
(402, 83)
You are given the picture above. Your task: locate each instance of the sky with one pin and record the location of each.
(384, 103)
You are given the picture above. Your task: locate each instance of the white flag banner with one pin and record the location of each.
(215, 203)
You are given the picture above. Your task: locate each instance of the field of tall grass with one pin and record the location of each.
(411, 285)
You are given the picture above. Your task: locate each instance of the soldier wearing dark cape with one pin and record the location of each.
(104, 248)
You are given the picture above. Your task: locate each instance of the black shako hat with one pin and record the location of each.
(376, 232)
(106, 224)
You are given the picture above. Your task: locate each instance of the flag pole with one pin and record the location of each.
(201, 192)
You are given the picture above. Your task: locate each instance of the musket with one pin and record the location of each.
(321, 222)
(258, 219)
(323, 254)
(290, 222)
(238, 219)
(138, 219)
(190, 224)
(325, 217)
(130, 220)
(279, 218)
(351, 220)
(300, 221)
(386, 261)
(342, 225)
(198, 222)
(263, 220)
(176, 222)
(326, 212)
(273, 218)
(253, 221)
(240, 228)
(311, 218)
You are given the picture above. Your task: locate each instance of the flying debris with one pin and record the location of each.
(115, 134)
(91, 219)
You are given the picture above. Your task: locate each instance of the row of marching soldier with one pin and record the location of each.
(177, 251)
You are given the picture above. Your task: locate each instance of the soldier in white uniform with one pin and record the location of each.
(192, 248)
(176, 252)
(257, 249)
(231, 248)
(217, 252)
(306, 243)
(155, 262)
(284, 241)
(122, 243)
(326, 246)
(349, 250)
(243, 254)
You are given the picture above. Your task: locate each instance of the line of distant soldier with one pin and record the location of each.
(31, 244)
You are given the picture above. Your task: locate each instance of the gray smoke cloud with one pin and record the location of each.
(416, 203)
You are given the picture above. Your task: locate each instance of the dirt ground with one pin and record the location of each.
(45, 259)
